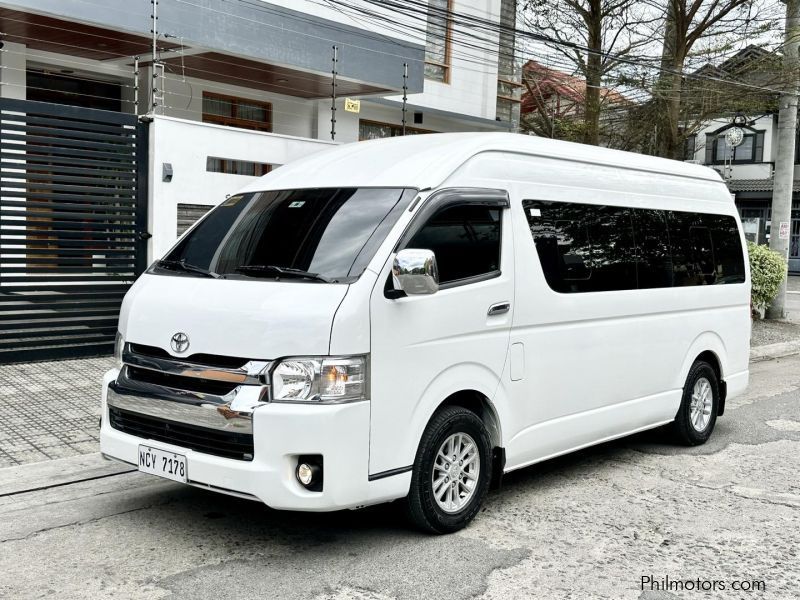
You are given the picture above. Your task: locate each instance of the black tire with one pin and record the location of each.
(685, 429)
(421, 506)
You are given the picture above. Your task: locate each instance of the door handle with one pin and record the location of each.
(499, 309)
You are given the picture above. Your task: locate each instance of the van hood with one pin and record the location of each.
(253, 319)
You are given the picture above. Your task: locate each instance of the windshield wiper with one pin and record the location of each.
(276, 271)
(182, 265)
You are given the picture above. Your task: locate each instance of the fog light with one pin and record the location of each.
(309, 472)
(305, 474)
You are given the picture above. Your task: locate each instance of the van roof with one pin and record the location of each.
(426, 161)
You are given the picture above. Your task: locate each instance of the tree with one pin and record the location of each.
(687, 23)
(592, 35)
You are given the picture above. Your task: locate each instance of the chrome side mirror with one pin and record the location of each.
(414, 271)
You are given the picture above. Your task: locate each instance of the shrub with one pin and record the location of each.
(767, 271)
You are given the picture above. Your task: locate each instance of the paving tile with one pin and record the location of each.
(50, 409)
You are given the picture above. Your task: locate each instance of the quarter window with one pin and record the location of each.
(465, 239)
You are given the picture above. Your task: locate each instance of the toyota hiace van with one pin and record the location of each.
(408, 319)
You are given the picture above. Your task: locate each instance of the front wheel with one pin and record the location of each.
(698, 412)
(452, 471)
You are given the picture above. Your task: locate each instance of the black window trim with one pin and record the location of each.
(447, 198)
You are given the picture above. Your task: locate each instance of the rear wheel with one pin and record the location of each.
(698, 412)
(452, 471)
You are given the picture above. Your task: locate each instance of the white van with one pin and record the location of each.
(412, 318)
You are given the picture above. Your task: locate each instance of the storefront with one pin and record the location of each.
(754, 201)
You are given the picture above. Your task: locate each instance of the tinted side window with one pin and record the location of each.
(589, 248)
(582, 247)
(692, 250)
(465, 239)
(654, 265)
(561, 234)
(728, 252)
(613, 250)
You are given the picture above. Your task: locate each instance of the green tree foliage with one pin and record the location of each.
(767, 271)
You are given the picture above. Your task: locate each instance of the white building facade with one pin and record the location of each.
(235, 89)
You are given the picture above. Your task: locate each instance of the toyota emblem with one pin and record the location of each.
(180, 342)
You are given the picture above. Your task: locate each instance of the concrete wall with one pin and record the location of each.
(186, 145)
(472, 89)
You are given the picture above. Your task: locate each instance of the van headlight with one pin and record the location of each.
(119, 345)
(320, 379)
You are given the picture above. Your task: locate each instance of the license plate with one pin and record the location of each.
(164, 464)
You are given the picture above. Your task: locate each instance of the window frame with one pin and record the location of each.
(719, 135)
(234, 121)
(448, 198)
(448, 42)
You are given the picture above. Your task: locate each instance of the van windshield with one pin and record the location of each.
(310, 235)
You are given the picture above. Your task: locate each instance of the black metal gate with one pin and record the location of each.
(73, 217)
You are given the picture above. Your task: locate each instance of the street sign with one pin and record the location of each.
(783, 232)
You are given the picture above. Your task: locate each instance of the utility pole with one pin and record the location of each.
(784, 161)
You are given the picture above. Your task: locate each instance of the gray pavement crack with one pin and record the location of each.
(81, 522)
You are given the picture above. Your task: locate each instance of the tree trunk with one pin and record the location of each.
(671, 136)
(594, 65)
(667, 104)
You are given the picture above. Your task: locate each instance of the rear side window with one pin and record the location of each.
(728, 263)
(590, 248)
(465, 239)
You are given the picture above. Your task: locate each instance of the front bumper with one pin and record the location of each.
(282, 432)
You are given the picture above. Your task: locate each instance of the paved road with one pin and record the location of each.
(585, 526)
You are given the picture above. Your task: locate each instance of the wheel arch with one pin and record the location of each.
(709, 348)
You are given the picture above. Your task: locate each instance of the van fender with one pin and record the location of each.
(705, 342)
(457, 378)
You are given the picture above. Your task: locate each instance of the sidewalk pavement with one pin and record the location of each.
(50, 409)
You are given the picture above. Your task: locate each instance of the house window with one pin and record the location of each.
(751, 150)
(373, 130)
(237, 112)
(232, 166)
(437, 40)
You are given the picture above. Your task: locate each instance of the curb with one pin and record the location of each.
(771, 351)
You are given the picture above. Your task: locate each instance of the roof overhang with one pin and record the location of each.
(250, 44)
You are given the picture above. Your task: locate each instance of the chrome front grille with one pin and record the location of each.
(227, 444)
(155, 394)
